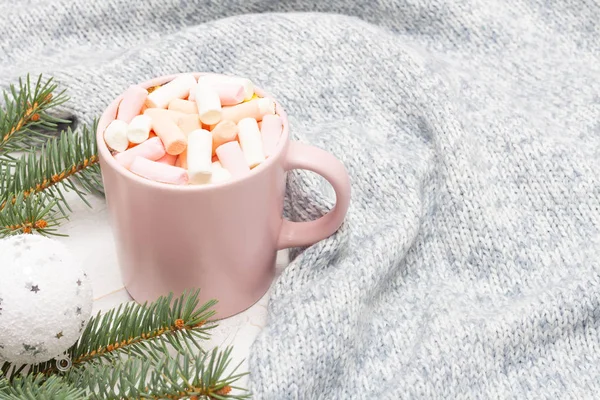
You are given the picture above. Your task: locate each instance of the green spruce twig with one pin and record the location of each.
(67, 162)
(24, 122)
(39, 387)
(204, 376)
(28, 215)
(126, 354)
(32, 183)
(141, 329)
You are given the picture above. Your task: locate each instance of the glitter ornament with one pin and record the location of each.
(45, 299)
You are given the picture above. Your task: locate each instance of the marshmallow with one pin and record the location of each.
(256, 109)
(251, 142)
(150, 136)
(173, 138)
(209, 104)
(181, 161)
(192, 96)
(199, 153)
(230, 92)
(168, 159)
(151, 149)
(271, 131)
(219, 174)
(232, 158)
(139, 128)
(184, 106)
(223, 132)
(246, 83)
(159, 172)
(161, 112)
(177, 88)
(189, 123)
(115, 135)
(132, 103)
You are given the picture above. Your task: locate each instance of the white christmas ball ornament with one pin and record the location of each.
(45, 299)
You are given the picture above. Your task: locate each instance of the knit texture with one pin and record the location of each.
(468, 265)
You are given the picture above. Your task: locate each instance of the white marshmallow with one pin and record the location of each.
(219, 174)
(115, 135)
(246, 83)
(209, 104)
(139, 128)
(266, 106)
(178, 88)
(251, 141)
(199, 156)
(192, 96)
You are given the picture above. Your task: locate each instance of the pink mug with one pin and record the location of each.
(221, 238)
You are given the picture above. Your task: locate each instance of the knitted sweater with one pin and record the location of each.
(468, 265)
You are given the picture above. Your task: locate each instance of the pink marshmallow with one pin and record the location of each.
(168, 159)
(232, 158)
(256, 108)
(230, 93)
(151, 149)
(159, 172)
(132, 103)
(270, 130)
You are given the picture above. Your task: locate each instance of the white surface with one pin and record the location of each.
(90, 239)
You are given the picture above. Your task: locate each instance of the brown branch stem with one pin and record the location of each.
(193, 393)
(28, 227)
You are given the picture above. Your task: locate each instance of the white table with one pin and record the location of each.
(90, 240)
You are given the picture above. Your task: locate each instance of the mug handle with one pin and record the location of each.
(303, 156)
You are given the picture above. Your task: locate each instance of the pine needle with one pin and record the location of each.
(33, 214)
(205, 376)
(25, 121)
(39, 387)
(141, 329)
(67, 162)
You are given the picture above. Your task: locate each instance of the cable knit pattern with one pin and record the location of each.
(468, 266)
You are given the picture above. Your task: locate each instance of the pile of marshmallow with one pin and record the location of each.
(194, 132)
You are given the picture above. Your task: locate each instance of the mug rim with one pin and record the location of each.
(110, 161)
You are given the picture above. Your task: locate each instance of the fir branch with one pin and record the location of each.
(25, 119)
(39, 387)
(145, 334)
(68, 162)
(140, 330)
(199, 376)
(33, 214)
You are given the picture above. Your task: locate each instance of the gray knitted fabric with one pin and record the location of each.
(468, 266)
